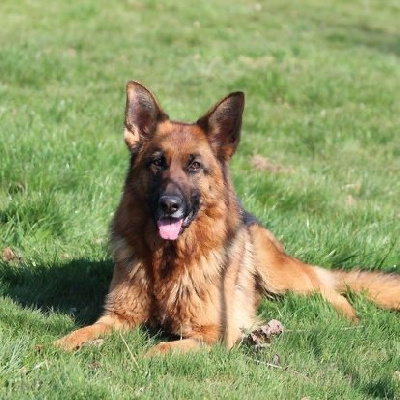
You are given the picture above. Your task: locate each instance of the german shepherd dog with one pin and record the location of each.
(188, 258)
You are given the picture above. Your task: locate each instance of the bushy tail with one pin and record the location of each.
(382, 288)
(278, 273)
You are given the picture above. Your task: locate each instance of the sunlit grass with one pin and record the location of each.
(322, 104)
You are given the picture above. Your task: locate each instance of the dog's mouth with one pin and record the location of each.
(173, 214)
(170, 228)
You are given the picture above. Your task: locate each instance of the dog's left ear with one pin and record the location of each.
(222, 124)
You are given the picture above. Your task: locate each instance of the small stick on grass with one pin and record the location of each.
(130, 352)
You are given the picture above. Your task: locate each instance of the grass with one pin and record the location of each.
(322, 81)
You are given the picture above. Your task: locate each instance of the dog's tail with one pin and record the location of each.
(382, 288)
(278, 273)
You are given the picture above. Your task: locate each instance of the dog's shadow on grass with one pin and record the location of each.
(77, 287)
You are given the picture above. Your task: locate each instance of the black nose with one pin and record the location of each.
(170, 204)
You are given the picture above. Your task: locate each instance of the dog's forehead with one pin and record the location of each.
(185, 138)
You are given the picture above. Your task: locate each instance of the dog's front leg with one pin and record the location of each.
(202, 337)
(106, 324)
(179, 346)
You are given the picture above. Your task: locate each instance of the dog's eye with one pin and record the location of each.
(194, 166)
(158, 162)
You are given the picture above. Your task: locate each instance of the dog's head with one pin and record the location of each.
(178, 169)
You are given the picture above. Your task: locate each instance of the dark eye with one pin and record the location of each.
(158, 162)
(194, 166)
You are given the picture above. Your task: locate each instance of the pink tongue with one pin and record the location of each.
(169, 228)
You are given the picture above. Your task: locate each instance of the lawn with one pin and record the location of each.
(319, 164)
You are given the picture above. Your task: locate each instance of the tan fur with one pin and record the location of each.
(383, 289)
(204, 286)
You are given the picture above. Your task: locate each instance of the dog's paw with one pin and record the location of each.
(178, 346)
(159, 349)
(76, 339)
(67, 344)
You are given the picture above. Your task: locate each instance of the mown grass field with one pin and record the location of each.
(319, 164)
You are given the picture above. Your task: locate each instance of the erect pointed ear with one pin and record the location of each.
(222, 124)
(142, 113)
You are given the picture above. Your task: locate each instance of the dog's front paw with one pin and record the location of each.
(69, 342)
(178, 346)
(159, 349)
(77, 338)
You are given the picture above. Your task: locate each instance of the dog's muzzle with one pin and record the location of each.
(174, 214)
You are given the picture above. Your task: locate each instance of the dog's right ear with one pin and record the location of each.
(142, 113)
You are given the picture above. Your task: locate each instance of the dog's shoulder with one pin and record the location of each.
(247, 219)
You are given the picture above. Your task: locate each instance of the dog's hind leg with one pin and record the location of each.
(279, 273)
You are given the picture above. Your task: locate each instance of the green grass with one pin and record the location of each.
(322, 81)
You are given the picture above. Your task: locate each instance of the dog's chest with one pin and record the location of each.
(186, 298)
